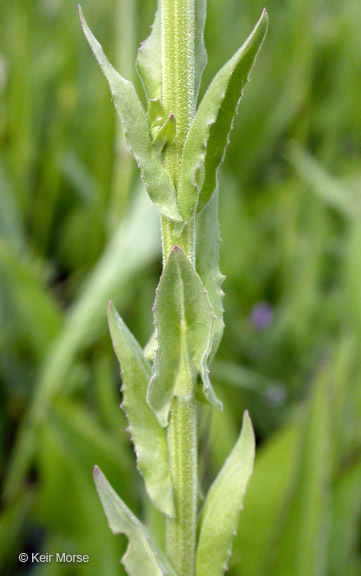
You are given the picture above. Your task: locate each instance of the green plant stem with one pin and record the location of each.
(182, 449)
(184, 238)
(178, 29)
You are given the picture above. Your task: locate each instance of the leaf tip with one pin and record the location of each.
(264, 19)
(247, 426)
(81, 16)
(176, 252)
(247, 418)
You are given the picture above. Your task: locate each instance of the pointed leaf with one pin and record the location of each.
(208, 136)
(184, 324)
(149, 60)
(158, 182)
(166, 134)
(142, 556)
(148, 437)
(223, 505)
(207, 256)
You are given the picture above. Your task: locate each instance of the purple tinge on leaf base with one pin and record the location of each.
(262, 315)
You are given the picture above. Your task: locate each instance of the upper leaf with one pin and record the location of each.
(184, 326)
(223, 505)
(142, 557)
(149, 60)
(207, 256)
(158, 182)
(148, 437)
(209, 134)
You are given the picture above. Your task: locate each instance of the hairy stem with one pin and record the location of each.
(178, 32)
(185, 238)
(178, 29)
(182, 448)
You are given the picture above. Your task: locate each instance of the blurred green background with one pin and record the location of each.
(76, 230)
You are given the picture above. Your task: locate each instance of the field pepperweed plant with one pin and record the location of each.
(179, 149)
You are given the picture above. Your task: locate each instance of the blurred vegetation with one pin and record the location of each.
(76, 230)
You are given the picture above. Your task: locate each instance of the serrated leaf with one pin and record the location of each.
(208, 136)
(223, 505)
(158, 182)
(142, 556)
(207, 256)
(149, 60)
(148, 437)
(184, 324)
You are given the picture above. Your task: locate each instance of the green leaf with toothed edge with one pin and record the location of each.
(223, 505)
(143, 556)
(149, 59)
(207, 256)
(208, 136)
(158, 182)
(184, 325)
(147, 435)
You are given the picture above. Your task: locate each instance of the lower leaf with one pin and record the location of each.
(148, 437)
(142, 558)
(223, 505)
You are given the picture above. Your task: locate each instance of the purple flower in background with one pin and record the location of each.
(262, 315)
